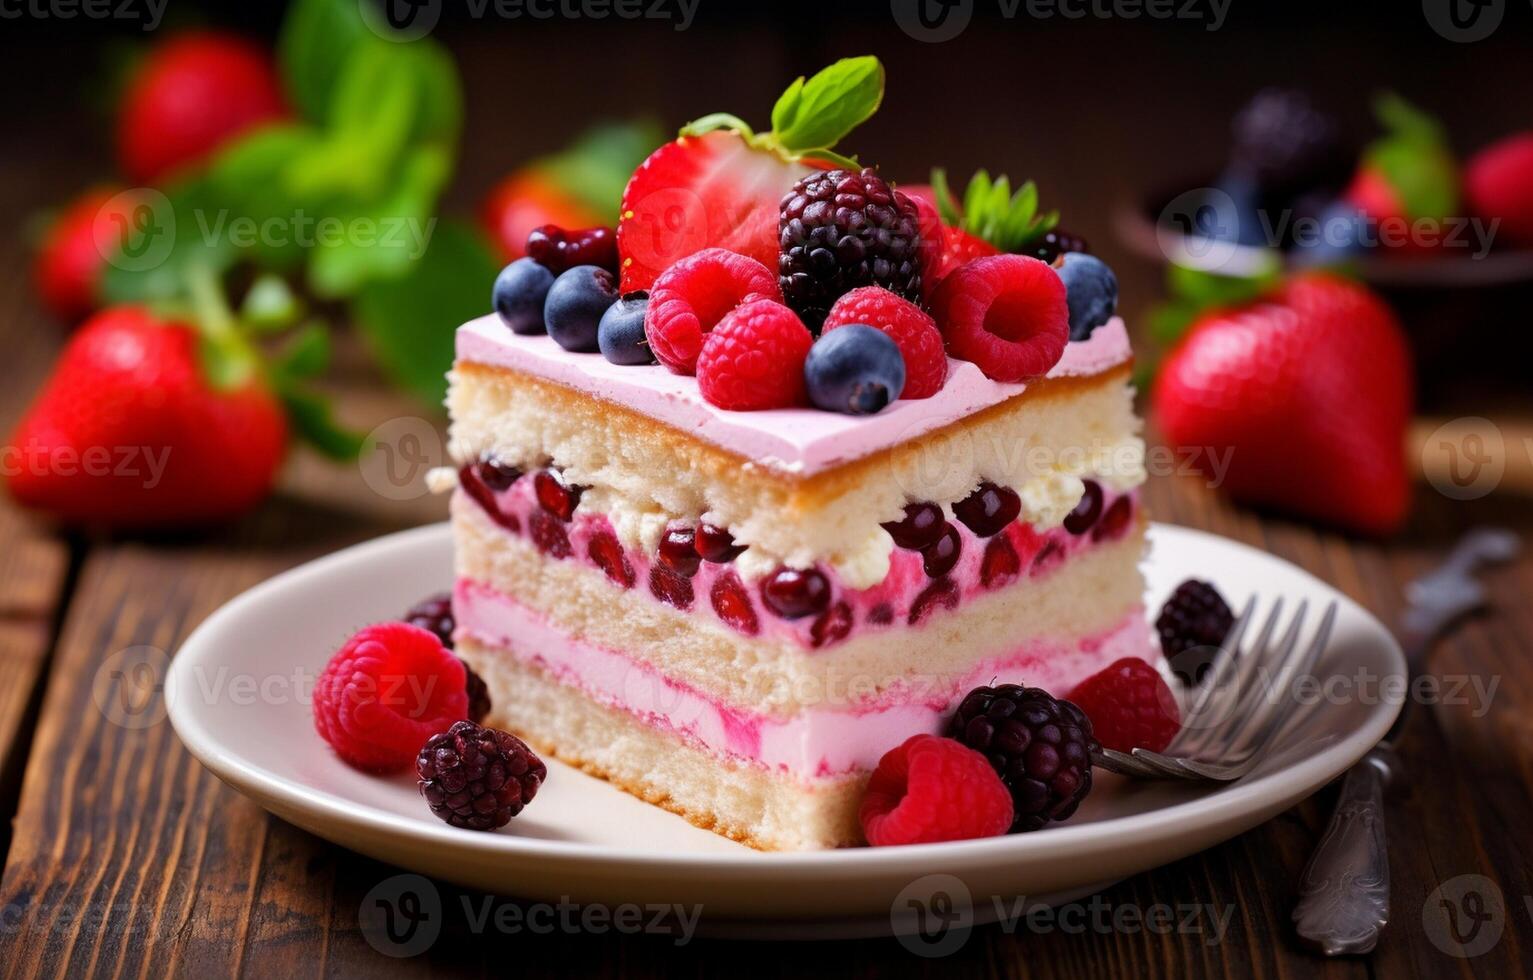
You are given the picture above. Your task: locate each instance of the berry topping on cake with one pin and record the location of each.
(1052, 244)
(990, 220)
(575, 305)
(939, 557)
(478, 778)
(605, 550)
(958, 248)
(434, 615)
(732, 604)
(519, 294)
(832, 626)
(720, 183)
(1195, 616)
(842, 229)
(386, 691)
(988, 509)
(620, 332)
(694, 295)
(679, 552)
(1086, 512)
(931, 789)
(1091, 292)
(754, 359)
(716, 544)
(912, 330)
(856, 370)
(555, 495)
(1130, 706)
(549, 535)
(1006, 313)
(794, 593)
(1040, 746)
(1000, 564)
(670, 588)
(558, 250)
(921, 526)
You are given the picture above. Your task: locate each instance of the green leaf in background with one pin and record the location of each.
(595, 168)
(1415, 158)
(311, 416)
(306, 355)
(317, 38)
(269, 306)
(409, 322)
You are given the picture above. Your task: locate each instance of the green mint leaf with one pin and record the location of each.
(816, 113)
(595, 168)
(316, 40)
(1415, 158)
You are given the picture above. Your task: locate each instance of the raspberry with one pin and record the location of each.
(1041, 746)
(434, 615)
(838, 230)
(733, 604)
(754, 359)
(931, 789)
(1195, 616)
(915, 333)
(387, 690)
(690, 298)
(1130, 706)
(478, 778)
(1007, 314)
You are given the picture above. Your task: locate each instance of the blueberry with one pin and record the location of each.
(1340, 234)
(854, 369)
(518, 295)
(620, 334)
(1091, 291)
(575, 304)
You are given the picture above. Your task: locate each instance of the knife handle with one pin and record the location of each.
(1344, 894)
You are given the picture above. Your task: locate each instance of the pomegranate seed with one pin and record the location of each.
(670, 588)
(939, 558)
(1115, 520)
(943, 592)
(556, 496)
(678, 552)
(496, 475)
(1048, 556)
(1087, 511)
(556, 249)
(832, 626)
(733, 604)
(793, 593)
(715, 544)
(607, 553)
(881, 614)
(549, 535)
(988, 509)
(468, 479)
(1000, 564)
(921, 526)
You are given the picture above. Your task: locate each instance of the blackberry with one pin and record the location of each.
(1052, 244)
(434, 615)
(1196, 617)
(1040, 745)
(1285, 144)
(478, 778)
(838, 230)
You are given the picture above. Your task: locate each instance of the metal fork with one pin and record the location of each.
(1245, 713)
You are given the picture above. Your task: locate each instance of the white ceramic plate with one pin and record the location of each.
(238, 696)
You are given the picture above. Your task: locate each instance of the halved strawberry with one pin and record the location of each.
(720, 184)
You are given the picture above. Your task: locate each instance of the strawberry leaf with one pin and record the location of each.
(310, 415)
(992, 211)
(1415, 158)
(815, 114)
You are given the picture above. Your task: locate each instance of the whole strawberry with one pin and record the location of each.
(128, 432)
(1499, 184)
(1298, 401)
(68, 266)
(193, 94)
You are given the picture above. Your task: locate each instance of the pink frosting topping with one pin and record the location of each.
(794, 440)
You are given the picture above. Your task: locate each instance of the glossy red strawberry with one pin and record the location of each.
(129, 433)
(68, 266)
(1305, 395)
(525, 201)
(194, 93)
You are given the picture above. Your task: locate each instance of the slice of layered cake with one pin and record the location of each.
(858, 483)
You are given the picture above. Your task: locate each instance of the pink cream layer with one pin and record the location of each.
(793, 440)
(821, 742)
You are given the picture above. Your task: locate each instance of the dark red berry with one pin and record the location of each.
(670, 588)
(1000, 564)
(434, 615)
(1196, 616)
(478, 778)
(733, 604)
(1085, 514)
(793, 593)
(715, 544)
(881, 614)
(679, 552)
(481, 494)
(556, 496)
(832, 627)
(549, 535)
(608, 555)
(1040, 745)
(921, 526)
(557, 250)
(478, 695)
(1115, 520)
(939, 558)
(496, 475)
(1050, 555)
(943, 593)
(988, 509)
(1055, 243)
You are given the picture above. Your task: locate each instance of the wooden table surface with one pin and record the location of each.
(124, 857)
